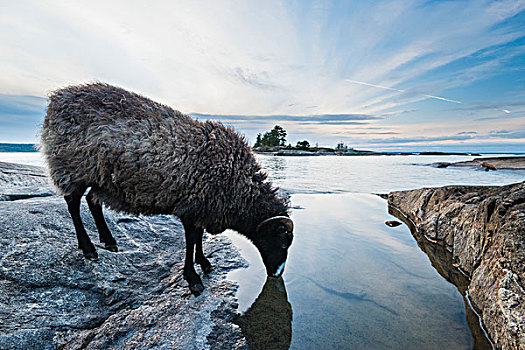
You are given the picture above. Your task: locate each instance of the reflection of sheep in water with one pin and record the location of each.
(267, 324)
(141, 157)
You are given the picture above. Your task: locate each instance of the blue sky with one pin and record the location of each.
(383, 75)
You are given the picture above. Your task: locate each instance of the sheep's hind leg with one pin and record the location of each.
(103, 230)
(84, 243)
(190, 275)
(199, 254)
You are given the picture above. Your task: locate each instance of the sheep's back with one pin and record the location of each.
(125, 146)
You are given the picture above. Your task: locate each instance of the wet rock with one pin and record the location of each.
(392, 223)
(488, 166)
(441, 165)
(484, 230)
(51, 297)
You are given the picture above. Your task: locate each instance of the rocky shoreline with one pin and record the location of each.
(51, 297)
(489, 163)
(483, 231)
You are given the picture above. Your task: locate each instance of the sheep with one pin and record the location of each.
(141, 157)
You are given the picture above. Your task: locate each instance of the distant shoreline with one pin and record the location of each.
(355, 153)
(31, 147)
(18, 147)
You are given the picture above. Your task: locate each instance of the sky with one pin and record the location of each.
(379, 75)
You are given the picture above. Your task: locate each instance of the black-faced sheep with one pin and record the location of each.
(142, 157)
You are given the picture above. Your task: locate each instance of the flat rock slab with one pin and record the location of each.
(19, 181)
(51, 297)
(497, 162)
(484, 229)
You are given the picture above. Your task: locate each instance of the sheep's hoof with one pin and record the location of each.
(93, 256)
(194, 281)
(197, 289)
(111, 247)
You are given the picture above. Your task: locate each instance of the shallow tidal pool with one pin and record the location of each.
(351, 282)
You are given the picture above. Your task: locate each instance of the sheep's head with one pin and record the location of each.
(274, 237)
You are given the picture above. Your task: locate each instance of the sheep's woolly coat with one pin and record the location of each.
(142, 157)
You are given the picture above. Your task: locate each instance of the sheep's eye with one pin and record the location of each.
(281, 229)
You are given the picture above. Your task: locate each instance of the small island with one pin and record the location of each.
(273, 142)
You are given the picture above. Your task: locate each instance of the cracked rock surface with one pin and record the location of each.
(51, 297)
(484, 229)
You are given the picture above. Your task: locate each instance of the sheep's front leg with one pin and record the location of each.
(190, 275)
(199, 254)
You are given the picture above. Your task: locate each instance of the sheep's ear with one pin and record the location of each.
(275, 222)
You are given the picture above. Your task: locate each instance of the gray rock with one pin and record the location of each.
(392, 223)
(441, 165)
(483, 228)
(51, 297)
(19, 181)
(494, 163)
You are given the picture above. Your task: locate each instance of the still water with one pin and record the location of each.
(351, 282)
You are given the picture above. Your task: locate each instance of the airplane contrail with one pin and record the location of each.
(442, 98)
(399, 90)
(373, 85)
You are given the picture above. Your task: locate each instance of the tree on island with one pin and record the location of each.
(273, 138)
(341, 147)
(303, 145)
(258, 141)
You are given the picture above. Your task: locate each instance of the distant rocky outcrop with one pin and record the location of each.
(487, 164)
(51, 297)
(483, 228)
